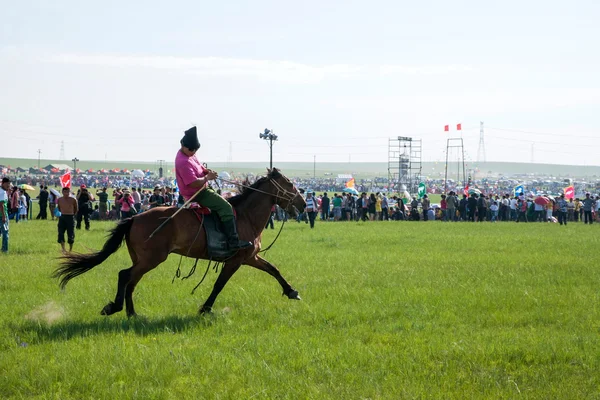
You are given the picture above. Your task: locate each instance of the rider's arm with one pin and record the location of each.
(198, 183)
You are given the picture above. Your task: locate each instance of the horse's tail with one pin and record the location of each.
(76, 264)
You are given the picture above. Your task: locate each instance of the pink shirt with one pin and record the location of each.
(125, 203)
(187, 170)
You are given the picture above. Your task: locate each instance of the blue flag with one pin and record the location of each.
(519, 190)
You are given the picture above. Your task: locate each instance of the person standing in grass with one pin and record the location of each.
(325, 207)
(69, 208)
(43, 203)
(425, 204)
(4, 202)
(494, 210)
(102, 203)
(137, 199)
(337, 207)
(522, 210)
(588, 204)
(311, 208)
(563, 207)
(126, 202)
(23, 203)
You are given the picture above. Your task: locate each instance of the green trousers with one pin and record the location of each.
(208, 198)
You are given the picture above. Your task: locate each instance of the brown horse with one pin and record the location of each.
(182, 235)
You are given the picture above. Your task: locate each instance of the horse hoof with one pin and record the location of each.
(205, 310)
(110, 309)
(293, 295)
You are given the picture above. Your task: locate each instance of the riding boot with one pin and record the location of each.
(233, 240)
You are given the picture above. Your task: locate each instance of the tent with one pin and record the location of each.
(137, 173)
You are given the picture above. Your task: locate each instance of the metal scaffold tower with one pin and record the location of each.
(455, 143)
(404, 164)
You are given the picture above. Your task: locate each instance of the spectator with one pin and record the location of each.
(444, 208)
(23, 206)
(52, 199)
(513, 208)
(494, 209)
(425, 205)
(84, 200)
(588, 206)
(103, 203)
(337, 207)
(156, 200)
(481, 208)
(385, 208)
(126, 203)
(4, 204)
(43, 203)
(472, 207)
(372, 207)
(311, 208)
(137, 199)
(325, 207)
(563, 208)
(68, 207)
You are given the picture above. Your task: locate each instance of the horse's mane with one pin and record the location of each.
(247, 191)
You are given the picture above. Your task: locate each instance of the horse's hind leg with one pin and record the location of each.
(228, 270)
(262, 264)
(117, 305)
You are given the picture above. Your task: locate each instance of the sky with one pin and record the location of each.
(334, 80)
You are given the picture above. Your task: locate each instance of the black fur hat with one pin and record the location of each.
(190, 139)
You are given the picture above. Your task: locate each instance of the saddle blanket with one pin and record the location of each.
(216, 240)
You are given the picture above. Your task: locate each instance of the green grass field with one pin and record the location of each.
(390, 310)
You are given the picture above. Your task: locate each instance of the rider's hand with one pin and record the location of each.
(211, 175)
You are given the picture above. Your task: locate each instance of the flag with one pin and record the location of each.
(569, 192)
(350, 183)
(446, 128)
(459, 127)
(519, 190)
(422, 190)
(65, 180)
(466, 191)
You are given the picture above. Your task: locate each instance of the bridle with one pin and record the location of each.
(282, 193)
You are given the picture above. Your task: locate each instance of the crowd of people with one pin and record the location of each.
(85, 206)
(452, 208)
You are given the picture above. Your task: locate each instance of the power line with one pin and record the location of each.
(544, 133)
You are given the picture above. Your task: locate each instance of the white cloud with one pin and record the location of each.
(271, 70)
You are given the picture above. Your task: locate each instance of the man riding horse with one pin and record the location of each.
(192, 176)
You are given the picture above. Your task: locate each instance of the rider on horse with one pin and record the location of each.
(193, 176)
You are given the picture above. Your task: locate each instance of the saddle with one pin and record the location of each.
(216, 240)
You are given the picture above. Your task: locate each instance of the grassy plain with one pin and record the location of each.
(390, 310)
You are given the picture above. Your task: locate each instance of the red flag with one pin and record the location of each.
(446, 128)
(459, 127)
(569, 192)
(466, 191)
(65, 180)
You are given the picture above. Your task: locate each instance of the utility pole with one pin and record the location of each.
(481, 150)
(268, 135)
(39, 155)
(75, 165)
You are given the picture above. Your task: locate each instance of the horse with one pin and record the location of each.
(183, 235)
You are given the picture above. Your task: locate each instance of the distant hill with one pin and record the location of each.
(359, 170)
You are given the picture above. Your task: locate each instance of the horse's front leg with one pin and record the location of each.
(262, 264)
(228, 270)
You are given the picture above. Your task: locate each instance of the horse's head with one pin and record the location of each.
(286, 194)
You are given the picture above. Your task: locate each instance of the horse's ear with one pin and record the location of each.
(268, 171)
